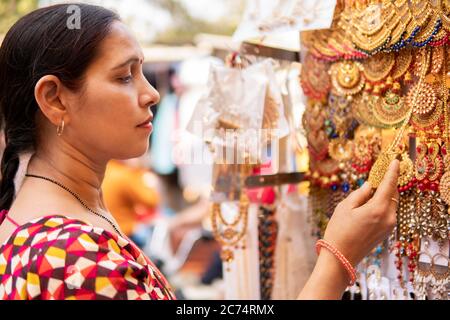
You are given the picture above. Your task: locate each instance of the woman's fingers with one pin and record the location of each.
(360, 196)
(387, 191)
(386, 197)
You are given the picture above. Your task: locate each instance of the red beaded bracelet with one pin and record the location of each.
(347, 265)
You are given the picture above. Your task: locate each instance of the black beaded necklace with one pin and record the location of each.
(78, 198)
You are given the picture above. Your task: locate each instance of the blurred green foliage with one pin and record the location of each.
(185, 27)
(11, 10)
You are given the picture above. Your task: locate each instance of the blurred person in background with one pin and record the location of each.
(131, 193)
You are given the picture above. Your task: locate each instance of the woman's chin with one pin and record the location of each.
(137, 151)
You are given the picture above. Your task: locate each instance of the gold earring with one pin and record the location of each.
(60, 128)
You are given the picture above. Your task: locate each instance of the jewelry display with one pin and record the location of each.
(422, 278)
(314, 78)
(439, 280)
(385, 158)
(388, 99)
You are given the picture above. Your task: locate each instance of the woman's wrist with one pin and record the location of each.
(345, 263)
(328, 279)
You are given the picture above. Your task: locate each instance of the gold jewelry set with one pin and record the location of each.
(363, 28)
(387, 63)
(231, 234)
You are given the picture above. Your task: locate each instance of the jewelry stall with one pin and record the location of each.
(293, 132)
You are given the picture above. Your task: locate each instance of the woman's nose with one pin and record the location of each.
(150, 98)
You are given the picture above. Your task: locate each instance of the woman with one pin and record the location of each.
(75, 99)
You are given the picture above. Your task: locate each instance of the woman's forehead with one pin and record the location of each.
(119, 46)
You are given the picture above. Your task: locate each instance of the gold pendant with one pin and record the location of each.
(340, 149)
(425, 97)
(391, 109)
(363, 107)
(227, 255)
(406, 170)
(314, 78)
(402, 63)
(346, 78)
(429, 121)
(380, 168)
(378, 67)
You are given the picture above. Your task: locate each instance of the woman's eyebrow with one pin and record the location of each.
(129, 61)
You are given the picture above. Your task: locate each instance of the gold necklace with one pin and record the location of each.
(425, 99)
(366, 21)
(445, 10)
(382, 164)
(314, 78)
(378, 67)
(78, 198)
(418, 18)
(363, 106)
(346, 78)
(427, 27)
(402, 64)
(229, 237)
(391, 109)
(404, 15)
(444, 184)
(370, 43)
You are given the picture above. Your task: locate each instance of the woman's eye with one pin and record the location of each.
(126, 79)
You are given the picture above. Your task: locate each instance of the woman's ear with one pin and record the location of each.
(47, 92)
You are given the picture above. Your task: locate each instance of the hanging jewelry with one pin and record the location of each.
(426, 99)
(436, 164)
(378, 67)
(422, 277)
(438, 280)
(444, 184)
(226, 233)
(391, 109)
(314, 78)
(346, 78)
(421, 167)
(381, 165)
(402, 64)
(267, 234)
(363, 105)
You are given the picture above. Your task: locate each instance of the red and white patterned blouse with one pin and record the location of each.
(57, 257)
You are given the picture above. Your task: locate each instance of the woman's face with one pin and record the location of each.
(110, 116)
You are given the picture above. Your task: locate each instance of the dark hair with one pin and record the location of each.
(41, 43)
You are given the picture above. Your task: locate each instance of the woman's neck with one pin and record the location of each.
(74, 170)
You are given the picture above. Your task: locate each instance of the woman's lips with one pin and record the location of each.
(147, 123)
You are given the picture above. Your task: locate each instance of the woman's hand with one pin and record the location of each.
(358, 224)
